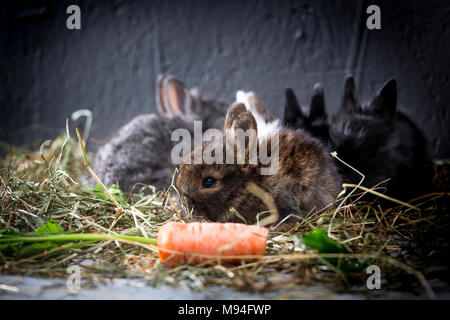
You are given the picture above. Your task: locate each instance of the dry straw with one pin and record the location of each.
(38, 186)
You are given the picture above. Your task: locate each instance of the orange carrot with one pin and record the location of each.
(196, 242)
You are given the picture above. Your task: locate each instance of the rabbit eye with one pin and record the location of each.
(209, 182)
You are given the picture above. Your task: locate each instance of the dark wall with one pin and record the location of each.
(111, 64)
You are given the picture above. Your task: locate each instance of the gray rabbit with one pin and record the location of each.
(140, 151)
(381, 142)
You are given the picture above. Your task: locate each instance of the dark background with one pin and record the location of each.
(111, 64)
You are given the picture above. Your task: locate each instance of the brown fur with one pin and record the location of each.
(306, 178)
(259, 107)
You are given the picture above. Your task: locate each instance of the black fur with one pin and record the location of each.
(381, 142)
(316, 123)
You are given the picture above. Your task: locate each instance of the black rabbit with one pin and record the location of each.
(381, 142)
(316, 122)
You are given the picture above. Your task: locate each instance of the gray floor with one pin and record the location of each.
(19, 287)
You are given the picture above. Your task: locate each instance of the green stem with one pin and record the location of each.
(88, 167)
(78, 236)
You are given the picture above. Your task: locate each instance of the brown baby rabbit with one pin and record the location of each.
(306, 177)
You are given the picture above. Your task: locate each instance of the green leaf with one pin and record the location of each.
(9, 249)
(21, 249)
(35, 248)
(9, 232)
(319, 240)
(49, 227)
(100, 194)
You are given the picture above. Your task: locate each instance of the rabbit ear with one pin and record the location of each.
(234, 110)
(317, 108)
(350, 99)
(385, 101)
(239, 119)
(244, 121)
(254, 104)
(292, 109)
(245, 138)
(172, 96)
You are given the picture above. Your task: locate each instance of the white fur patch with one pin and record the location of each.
(264, 127)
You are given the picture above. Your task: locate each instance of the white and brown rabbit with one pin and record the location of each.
(140, 151)
(306, 177)
(381, 142)
(265, 121)
(315, 122)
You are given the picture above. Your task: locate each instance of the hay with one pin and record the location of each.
(409, 245)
